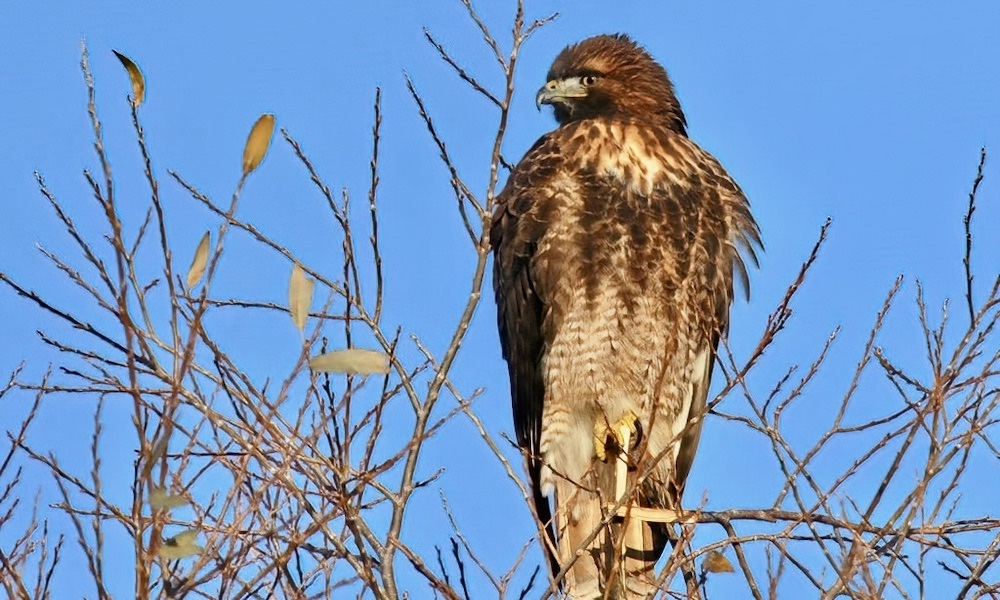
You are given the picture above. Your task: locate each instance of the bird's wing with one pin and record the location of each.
(519, 314)
(734, 240)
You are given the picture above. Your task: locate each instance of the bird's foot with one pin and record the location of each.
(610, 440)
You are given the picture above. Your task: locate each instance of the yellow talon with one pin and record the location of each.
(612, 439)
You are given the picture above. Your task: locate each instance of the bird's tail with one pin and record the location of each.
(543, 512)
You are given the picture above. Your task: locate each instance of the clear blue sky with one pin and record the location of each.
(870, 114)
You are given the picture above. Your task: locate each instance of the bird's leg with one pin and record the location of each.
(634, 569)
(617, 439)
(633, 538)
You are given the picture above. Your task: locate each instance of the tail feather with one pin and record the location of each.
(543, 512)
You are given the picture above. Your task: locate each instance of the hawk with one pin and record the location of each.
(616, 241)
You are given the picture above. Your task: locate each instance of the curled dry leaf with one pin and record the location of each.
(135, 76)
(181, 545)
(257, 143)
(300, 294)
(159, 498)
(200, 261)
(716, 562)
(158, 449)
(354, 360)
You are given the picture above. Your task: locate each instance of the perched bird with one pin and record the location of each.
(616, 240)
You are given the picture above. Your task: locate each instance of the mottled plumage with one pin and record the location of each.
(616, 241)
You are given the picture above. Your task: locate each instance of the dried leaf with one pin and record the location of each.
(716, 562)
(362, 362)
(200, 261)
(159, 448)
(135, 76)
(300, 295)
(258, 143)
(181, 545)
(159, 498)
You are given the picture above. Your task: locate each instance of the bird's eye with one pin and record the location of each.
(589, 80)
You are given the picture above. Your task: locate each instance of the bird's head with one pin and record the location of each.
(608, 76)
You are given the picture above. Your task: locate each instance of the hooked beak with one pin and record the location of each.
(560, 91)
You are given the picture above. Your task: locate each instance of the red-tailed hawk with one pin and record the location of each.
(616, 240)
